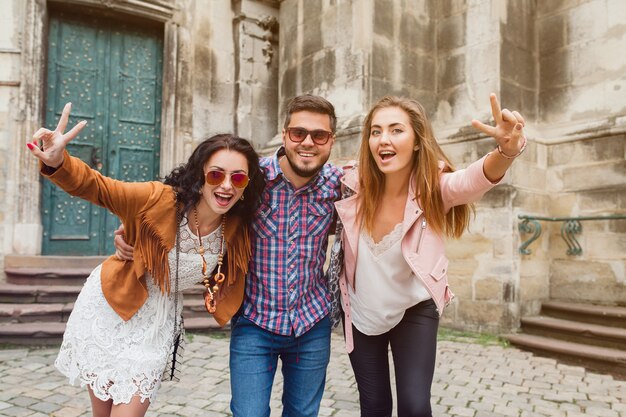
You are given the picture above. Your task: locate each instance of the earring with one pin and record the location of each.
(416, 148)
(241, 197)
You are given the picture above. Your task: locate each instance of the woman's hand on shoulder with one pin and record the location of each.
(508, 131)
(48, 145)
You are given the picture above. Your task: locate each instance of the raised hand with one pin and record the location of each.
(508, 131)
(48, 145)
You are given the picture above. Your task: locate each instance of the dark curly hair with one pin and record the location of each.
(188, 179)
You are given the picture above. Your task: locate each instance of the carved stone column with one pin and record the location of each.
(255, 31)
(24, 172)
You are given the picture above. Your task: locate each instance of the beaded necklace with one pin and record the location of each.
(210, 293)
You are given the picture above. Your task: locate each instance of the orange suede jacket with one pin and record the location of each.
(148, 212)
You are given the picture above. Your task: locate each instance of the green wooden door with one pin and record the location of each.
(112, 73)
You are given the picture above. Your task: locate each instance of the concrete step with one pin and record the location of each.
(29, 294)
(49, 270)
(600, 359)
(613, 316)
(39, 333)
(575, 331)
(193, 306)
(28, 313)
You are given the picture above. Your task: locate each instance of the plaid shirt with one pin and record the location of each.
(286, 291)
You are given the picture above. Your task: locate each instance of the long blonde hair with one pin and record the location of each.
(425, 167)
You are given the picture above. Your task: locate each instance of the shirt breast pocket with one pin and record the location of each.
(319, 216)
(266, 223)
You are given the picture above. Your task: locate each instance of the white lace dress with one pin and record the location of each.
(119, 359)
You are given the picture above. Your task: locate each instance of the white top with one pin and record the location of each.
(385, 284)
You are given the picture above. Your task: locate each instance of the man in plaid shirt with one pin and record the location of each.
(286, 302)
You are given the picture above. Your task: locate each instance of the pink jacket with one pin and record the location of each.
(422, 248)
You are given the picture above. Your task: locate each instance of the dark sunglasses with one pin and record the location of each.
(299, 134)
(237, 179)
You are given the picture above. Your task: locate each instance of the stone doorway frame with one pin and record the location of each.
(29, 106)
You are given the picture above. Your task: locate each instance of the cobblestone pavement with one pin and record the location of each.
(472, 379)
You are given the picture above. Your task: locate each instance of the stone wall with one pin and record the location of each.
(231, 65)
(589, 176)
(583, 109)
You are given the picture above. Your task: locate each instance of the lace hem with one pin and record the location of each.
(121, 391)
(385, 243)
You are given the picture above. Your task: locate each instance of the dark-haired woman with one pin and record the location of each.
(406, 198)
(125, 321)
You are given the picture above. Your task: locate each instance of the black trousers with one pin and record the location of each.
(414, 348)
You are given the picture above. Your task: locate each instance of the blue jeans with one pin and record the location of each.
(254, 354)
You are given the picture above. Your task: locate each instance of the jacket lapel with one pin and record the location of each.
(412, 210)
(347, 212)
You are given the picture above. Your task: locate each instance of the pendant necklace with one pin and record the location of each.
(210, 293)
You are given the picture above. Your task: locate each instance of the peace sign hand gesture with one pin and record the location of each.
(48, 145)
(507, 132)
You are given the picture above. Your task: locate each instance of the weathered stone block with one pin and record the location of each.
(616, 14)
(452, 70)
(614, 226)
(418, 70)
(553, 6)
(600, 175)
(551, 33)
(288, 84)
(311, 8)
(306, 76)
(604, 245)
(451, 33)
(530, 176)
(416, 33)
(555, 69)
(527, 201)
(311, 33)
(488, 289)
(460, 278)
(382, 87)
(481, 313)
(451, 7)
(563, 204)
(518, 65)
(586, 21)
(588, 281)
(535, 287)
(520, 27)
(326, 68)
(483, 64)
(382, 60)
(599, 201)
(511, 94)
(552, 101)
(585, 151)
(470, 246)
(384, 21)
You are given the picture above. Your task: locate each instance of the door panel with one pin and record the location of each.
(111, 72)
(135, 111)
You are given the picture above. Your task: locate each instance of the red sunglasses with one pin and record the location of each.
(237, 179)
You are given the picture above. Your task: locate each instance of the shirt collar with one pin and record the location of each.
(273, 168)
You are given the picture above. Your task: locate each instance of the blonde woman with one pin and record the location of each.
(406, 199)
